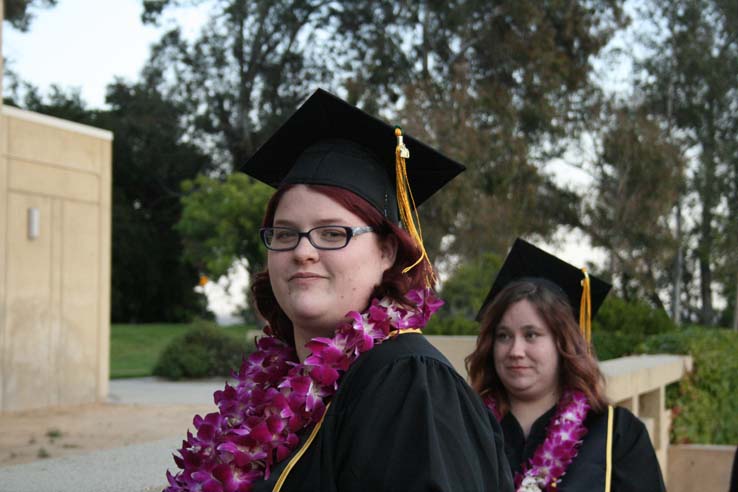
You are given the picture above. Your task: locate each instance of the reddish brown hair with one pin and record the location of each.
(394, 285)
(578, 369)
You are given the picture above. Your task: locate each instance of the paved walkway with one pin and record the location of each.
(155, 391)
(135, 468)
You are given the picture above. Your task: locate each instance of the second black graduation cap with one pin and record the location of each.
(330, 142)
(525, 261)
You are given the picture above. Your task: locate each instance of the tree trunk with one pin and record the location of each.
(735, 307)
(676, 295)
(706, 316)
(707, 231)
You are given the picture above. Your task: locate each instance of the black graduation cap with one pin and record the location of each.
(527, 261)
(328, 141)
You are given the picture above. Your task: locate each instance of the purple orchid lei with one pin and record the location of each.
(276, 397)
(563, 438)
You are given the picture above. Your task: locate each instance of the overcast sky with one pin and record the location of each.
(86, 44)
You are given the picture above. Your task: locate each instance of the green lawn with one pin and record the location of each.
(135, 348)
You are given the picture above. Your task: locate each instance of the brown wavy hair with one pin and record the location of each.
(578, 368)
(394, 284)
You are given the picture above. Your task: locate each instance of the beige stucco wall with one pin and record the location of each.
(55, 289)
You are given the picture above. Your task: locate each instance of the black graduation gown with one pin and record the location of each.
(635, 467)
(402, 419)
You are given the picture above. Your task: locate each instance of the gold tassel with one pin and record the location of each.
(585, 310)
(404, 202)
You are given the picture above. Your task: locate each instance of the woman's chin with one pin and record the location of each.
(522, 391)
(317, 323)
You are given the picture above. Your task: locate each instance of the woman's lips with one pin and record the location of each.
(304, 276)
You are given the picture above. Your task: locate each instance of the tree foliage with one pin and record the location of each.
(220, 220)
(20, 12)
(501, 86)
(638, 178)
(703, 408)
(498, 85)
(151, 282)
(247, 70)
(691, 77)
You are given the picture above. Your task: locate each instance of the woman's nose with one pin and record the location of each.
(305, 250)
(517, 347)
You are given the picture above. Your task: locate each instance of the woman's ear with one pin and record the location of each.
(388, 247)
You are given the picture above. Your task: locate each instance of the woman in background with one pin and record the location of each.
(536, 371)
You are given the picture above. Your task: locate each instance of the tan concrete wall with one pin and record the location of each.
(705, 468)
(55, 289)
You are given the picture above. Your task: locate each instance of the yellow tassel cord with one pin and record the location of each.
(608, 451)
(585, 310)
(406, 204)
(395, 333)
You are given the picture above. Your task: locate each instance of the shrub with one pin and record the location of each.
(703, 403)
(452, 325)
(204, 351)
(620, 326)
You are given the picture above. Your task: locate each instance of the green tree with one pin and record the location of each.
(20, 12)
(67, 104)
(692, 75)
(247, 70)
(501, 86)
(151, 157)
(220, 221)
(728, 241)
(498, 85)
(638, 178)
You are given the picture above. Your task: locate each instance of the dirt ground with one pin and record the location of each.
(39, 434)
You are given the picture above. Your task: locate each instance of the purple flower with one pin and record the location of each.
(329, 351)
(243, 450)
(306, 394)
(197, 481)
(207, 427)
(235, 479)
(427, 304)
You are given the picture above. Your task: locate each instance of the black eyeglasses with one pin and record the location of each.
(323, 237)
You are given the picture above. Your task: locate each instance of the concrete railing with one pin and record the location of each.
(637, 383)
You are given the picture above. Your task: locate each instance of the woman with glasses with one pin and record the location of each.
(534, 367)
(344, 392)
